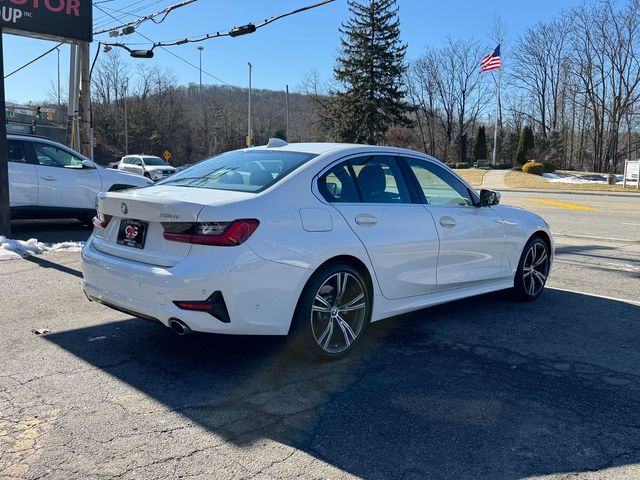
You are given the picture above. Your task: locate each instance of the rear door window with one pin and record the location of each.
(338, 186)
(380, 180)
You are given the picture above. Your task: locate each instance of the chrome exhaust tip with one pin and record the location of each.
(179, 327)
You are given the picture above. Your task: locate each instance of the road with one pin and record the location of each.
(484, 388)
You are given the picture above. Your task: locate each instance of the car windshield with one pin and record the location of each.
(153, 161)
(240, 170)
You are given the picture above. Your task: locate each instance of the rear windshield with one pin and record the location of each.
(240, 170)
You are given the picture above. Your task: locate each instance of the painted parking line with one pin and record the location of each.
(571, 206)
(624, 300)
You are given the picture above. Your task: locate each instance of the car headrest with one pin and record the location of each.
(372, 180)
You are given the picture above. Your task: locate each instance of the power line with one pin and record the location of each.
(104, 20)
(33, 61)
(236, 31)
(174, 54)
(151, 16)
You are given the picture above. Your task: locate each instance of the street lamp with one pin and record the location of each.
(201, 48)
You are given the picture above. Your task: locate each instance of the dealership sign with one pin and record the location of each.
(49, 19)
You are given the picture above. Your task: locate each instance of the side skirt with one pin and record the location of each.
(384, 308)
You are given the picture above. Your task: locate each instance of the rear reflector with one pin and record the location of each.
(225, 234)
(214, 306)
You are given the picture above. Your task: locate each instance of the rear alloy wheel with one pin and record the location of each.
(533, 270)
(333, 313)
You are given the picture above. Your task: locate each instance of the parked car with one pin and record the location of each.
(49, 180)
(149, 166)
(311, 240)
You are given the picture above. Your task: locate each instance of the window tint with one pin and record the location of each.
(51, 156)
(337, 185)
(240, 170)
(440, 187)
(16, 151)
(157, 161)
(380, 180)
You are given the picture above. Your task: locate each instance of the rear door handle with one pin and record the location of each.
(366, 219)
(50, 178)
(447, 222)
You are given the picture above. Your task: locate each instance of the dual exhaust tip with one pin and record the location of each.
(179, 327)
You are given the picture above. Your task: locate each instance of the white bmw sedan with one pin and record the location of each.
(314, 241)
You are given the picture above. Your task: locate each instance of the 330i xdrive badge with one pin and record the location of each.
(314, 241)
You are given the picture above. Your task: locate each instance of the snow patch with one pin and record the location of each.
(21, 248)
(575, 178)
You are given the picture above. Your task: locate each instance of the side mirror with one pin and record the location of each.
(488, 198)
(87, 164)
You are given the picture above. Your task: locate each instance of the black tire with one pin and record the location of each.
(533, 270)
(309, 322)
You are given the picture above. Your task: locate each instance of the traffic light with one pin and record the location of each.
(38, 113)
(34, 124)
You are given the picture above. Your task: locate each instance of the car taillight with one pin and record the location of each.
(101, 221)
(224, 234)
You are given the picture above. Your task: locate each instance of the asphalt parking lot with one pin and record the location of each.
(484, 388)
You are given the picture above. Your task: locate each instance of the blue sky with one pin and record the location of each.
(281, 53)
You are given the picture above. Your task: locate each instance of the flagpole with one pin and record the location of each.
(495, 130)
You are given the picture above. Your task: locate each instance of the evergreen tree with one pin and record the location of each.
(480, 147)
(525, 145)
(370, 70)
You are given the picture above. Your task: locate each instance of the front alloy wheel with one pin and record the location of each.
(533, 270)
(333, 312)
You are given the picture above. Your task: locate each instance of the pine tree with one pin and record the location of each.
(370, 70)
(525, 145)
(480, 147)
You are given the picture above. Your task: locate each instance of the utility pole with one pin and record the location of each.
(85, 101)
(58, 51)
(249, 137)
(287, 104)
(73, 97)
(201, 48)
(5, 210)
(126, 120)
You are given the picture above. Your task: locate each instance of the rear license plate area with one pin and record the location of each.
(132, 233)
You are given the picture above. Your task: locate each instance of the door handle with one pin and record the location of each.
(366, 219)
(447, 222)
(50, 178)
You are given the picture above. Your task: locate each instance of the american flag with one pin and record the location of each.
(491, 61)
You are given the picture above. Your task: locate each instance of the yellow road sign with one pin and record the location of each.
(166, 155)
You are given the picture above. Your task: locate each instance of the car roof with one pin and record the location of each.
(27, 136)
(326, 147)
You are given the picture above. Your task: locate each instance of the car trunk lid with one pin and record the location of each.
(142, 212)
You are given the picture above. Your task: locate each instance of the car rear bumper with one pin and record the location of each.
(260, 295)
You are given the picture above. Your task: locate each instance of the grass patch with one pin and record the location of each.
(472, 175)
(516, 179)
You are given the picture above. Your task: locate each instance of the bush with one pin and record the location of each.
(549, 167)
(517, 168)
(502, 166)
(460, 165)
(533, 168)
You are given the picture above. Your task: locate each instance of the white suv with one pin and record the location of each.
(49, 180)
(151, 167)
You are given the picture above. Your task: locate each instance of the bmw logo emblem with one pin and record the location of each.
(123, 207)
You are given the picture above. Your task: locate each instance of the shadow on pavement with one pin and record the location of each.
(50, 231)
(481, 388)
(44, 263)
